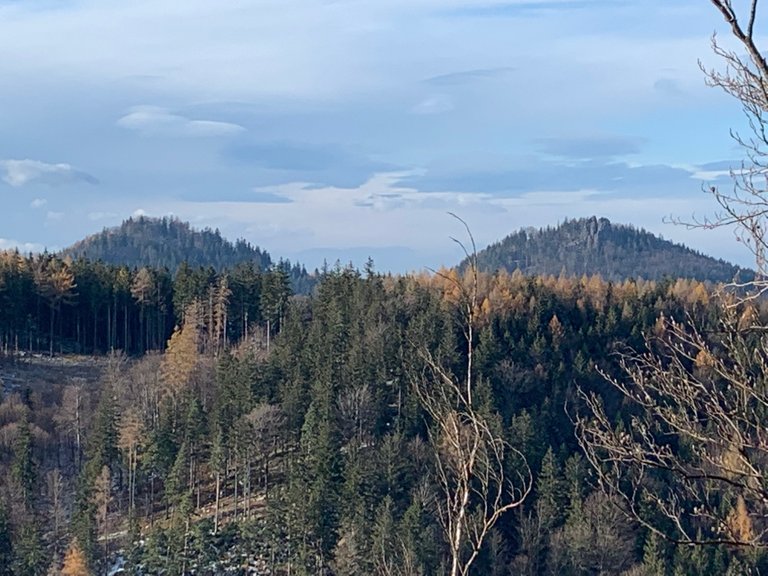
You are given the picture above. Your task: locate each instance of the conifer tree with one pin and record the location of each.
(550, 501)
(275, 291)
(31, 558)
(55, 283)
(83, 523)
(6, 544)
(103, 437)
(182, 358)
(25, 468)
(143, 290)
(221, 297)
(75, 563)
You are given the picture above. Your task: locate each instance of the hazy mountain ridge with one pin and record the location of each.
(596, 246)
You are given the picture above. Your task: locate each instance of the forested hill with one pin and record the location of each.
(167, 242)
(596, 246)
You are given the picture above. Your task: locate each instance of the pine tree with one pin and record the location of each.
(220, 296)
(322, 472)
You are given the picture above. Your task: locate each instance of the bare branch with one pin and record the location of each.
(698, 445)
(470, 456)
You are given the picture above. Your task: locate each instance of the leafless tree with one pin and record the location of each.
(131, 434)
(71, 417)
(257, 434)
(691, 463)
(56, 491)
(472, 459)
(356, 413)
(743, 207)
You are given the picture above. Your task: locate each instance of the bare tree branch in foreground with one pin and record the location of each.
(472, 459)
(690, 463)
(743, 208)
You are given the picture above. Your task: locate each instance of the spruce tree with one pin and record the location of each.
(550, 501)
(24, 468)
(6, 544)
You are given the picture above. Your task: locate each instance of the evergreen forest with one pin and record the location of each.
(585, 400)
(209, 422)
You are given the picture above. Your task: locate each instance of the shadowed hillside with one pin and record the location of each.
(167, 242)
(596, 246)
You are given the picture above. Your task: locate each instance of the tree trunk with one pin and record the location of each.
(216, 506)
(95, 330)
(126, 345)
(235, 511)
(50, 344)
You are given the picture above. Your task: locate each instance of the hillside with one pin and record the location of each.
(167, 242)
(223, 453)
(596, 246)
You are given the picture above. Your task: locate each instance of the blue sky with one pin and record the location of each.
(348, 128)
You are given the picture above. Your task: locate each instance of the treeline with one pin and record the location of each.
(595, 246)
(314, 457)
(54, 305)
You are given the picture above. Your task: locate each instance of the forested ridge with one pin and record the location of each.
(597, 246)
(250, 431)
(169, 243)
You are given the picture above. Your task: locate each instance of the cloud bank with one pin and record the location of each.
(156, 121)
(19, 173)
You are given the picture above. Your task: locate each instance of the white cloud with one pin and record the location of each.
(23, 247)
(38, 203)
(335, 48)
(21, 172)
(384, 212)
(709, 175)
(155, 121)
(139, 212)
(54, 216)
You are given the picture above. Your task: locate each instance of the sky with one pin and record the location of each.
(343, 129)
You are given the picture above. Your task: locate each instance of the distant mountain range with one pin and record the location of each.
(575, 247)
(596, 246)
(167, 242)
